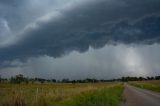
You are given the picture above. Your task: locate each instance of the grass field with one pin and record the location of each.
(153, 85)
(61, 94)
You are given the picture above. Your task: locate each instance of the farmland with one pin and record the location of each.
(61, 94)
(93, 93)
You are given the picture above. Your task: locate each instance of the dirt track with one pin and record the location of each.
(139, 97)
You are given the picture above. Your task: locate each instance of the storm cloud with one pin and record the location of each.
(55, 28)
(105, 63)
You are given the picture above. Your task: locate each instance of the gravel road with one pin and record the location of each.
(134, 96)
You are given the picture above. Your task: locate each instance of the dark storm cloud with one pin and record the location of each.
(93, 24)
(13, 11)
(11, 2)
(19, 13)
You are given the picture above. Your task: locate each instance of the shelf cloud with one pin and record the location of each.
(55, 28)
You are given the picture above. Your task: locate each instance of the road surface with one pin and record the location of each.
(134, 96)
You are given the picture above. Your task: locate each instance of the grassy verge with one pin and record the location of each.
(98, 94)
(150, 85)
(104, 97)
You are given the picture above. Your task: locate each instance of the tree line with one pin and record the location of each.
(21, 79)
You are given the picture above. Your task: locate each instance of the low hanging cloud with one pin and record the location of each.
(77, 27)
(105, 63)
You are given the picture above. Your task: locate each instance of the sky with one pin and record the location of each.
(79, 39)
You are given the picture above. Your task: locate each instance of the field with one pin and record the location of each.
(61, 94)
(153, 85)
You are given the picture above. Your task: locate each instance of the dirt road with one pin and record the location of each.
(134, 96)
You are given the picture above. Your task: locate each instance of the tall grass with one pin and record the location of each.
(99, 94)
(153, 85)
(102, 97)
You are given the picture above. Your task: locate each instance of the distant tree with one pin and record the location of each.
(141, 78)
(18, 79)
(41, 80)
(0, 79)
(91, 80)
(73, 81)
(124, 79)
(157, 77)
(150, 78)
(135, 78)
(53, 80)
(65, 80)
(48, 80)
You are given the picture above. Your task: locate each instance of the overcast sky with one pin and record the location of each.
(79, 39)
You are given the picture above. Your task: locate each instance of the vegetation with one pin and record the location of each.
(125, 79)
(102, 97)
(60, 94)
(153, 85)
(21, 79)
(23, 91)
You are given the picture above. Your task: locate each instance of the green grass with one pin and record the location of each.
(153, 85)
(58, 94)
(103, 97)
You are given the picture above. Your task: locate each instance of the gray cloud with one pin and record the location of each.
(105, 63)
(20, 13)
(79, 26)
(60, 41)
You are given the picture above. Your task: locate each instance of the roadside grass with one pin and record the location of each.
(104, 97)
(153, 85)
(61, 94)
